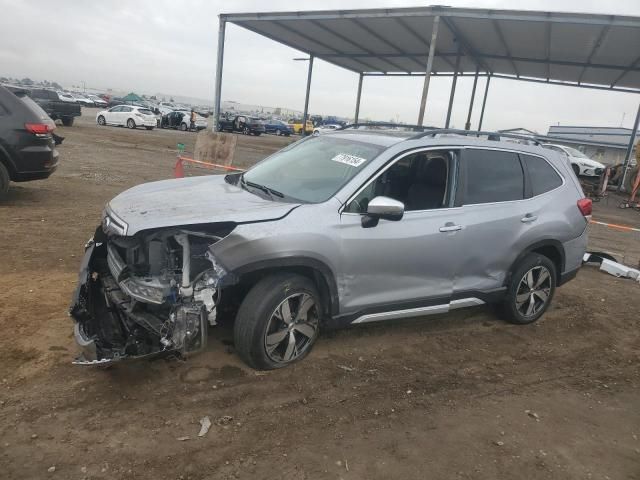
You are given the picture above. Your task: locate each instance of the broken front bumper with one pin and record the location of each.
(111, 326)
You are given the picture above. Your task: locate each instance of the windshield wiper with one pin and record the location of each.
(269, 191)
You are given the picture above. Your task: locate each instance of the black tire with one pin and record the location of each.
(4, 180)
(131, 124)
(257, 134)
(220, 128)
(67, 121)
(101, 121)
(523, 293)
(278, 133)
(149, 128)
(183, 127)
(255, 316)
(576, 169)
(246, 131)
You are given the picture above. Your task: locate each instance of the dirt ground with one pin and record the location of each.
(462, 396)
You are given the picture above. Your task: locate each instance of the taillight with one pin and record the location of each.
(585, 205)
(38, 128)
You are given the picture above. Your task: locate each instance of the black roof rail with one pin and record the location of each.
(417, 128)
(494, 136)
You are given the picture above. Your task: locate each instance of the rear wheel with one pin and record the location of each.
(530, 291)
(131, 123)
(101, 121)
(4, 180)
(278, 133)
(67, 121)
(278, 321)
(149, 128)
(183, 127)
(246, 131)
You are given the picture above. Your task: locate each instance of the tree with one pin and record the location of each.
(56, 85)
(26, 81)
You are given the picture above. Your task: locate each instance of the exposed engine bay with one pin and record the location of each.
(151, 293)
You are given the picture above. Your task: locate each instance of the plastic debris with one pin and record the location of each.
(618, 269)
(205, 425)
(182, 439)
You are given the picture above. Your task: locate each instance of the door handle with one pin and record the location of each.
(528, 218)
(450, 227)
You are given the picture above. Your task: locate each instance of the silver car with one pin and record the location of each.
(351, 227)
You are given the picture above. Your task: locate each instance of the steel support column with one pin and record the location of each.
(358, 99)
(484, 103)
(467, 125)
(306, 98)
(218, 92)
(427, 76)
(627, 158)
(453, 90)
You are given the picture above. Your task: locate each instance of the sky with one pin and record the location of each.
(153, 46)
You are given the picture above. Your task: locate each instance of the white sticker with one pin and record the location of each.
(347, 159)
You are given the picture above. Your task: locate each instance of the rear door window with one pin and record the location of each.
(542, 176)
(492, 176)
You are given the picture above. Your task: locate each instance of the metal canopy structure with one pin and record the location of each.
(572, 49)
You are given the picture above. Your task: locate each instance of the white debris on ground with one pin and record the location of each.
(205, 425)
(611, 267)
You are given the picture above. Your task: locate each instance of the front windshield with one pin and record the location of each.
(575, 153)
(314, 169)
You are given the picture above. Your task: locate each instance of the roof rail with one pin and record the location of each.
(417, 128)
(494, 136)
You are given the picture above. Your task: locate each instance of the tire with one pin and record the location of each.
(260, 316)
(257, 134)
(316, 133)
(523, 289)
(246, 131)
(4, 180)
(220, 129)
(131, 124)
(101, 121)
(149, 128)
(278, 132)
(67, 121)
(576, 169)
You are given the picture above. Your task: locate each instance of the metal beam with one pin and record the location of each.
(631, 67)
(417, 36)
(350, 42)
(627, 158)
(306, 98)
(453, 92)
(357, 116)
(427, 75)
(484, 103)
(548, 49)
(466, 46)
(566, 84)
(601, 37)
(496, 25)
(219, 61)
(467, 126)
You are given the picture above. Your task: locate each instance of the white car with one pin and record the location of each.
(66, 97)
(98, 102)
(581, 164)
(82, 100)
(326, 129)
(130, 116)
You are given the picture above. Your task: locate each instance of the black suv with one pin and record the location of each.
(27, 147)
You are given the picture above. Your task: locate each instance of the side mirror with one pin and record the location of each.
(384, 208)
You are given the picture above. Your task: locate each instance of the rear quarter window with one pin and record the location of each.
(492, 176)
(542, 176)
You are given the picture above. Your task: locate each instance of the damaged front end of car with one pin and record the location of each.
(148, 294)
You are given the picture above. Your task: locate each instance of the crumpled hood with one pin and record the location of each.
(194, 200)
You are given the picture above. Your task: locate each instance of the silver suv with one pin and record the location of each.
(357, 226)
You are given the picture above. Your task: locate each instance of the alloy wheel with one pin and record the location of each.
(533, 291)
(292, 328)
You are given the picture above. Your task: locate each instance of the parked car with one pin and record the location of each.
(97, 101)
(182, 121)
(83, 100)
(326, 129)
(66, 97)
(352, 227)
(241, 123)
(130, 116)
(51, 102)
(296, 126)
(581, 164)
(27, 147)
(277, 127)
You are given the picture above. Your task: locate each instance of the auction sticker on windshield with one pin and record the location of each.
(349, 159)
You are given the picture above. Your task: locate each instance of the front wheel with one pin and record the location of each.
(530, 290)
(101, 121)
(131, 123)
(246, 131)
(278, 321)
(183, 127)
(67, 121)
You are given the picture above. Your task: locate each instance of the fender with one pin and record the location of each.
(557, 245)
(5, 159)
(296, 261)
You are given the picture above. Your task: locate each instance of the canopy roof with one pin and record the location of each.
(133, 97)
(587, 50)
